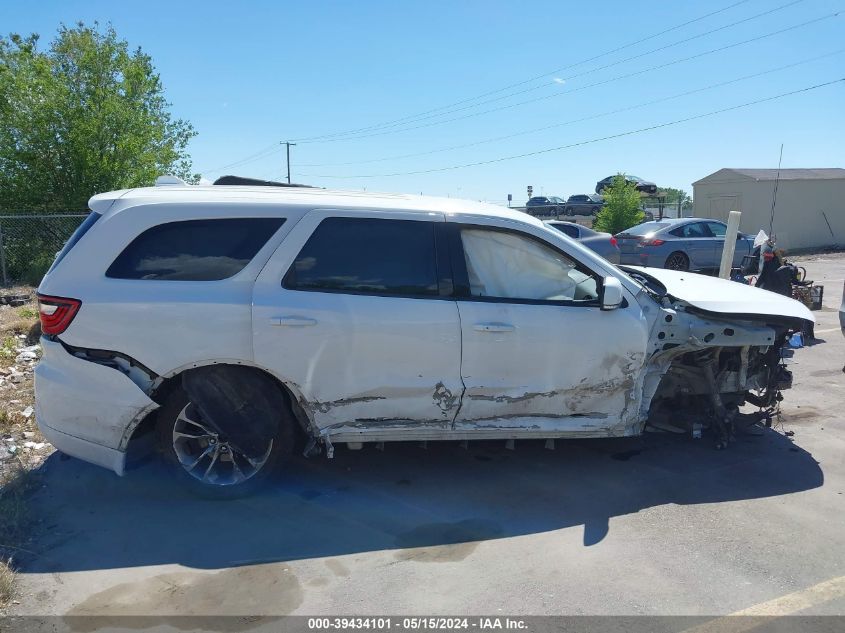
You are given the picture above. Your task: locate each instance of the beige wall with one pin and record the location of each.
(799, 222)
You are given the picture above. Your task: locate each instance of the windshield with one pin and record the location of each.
(645, 228)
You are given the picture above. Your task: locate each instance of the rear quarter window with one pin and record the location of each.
(194, 250)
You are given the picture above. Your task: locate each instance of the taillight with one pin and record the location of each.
(56, 313)
(654, 242)
(613, 241)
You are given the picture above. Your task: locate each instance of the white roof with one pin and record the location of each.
(300, 196)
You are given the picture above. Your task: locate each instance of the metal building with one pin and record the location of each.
(810, 209)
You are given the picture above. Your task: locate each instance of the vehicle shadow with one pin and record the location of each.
(403, 497)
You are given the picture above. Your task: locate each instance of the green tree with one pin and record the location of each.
(673, 195)
(621, 208)
(84, 116)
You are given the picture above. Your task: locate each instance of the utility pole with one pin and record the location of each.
(287, 146)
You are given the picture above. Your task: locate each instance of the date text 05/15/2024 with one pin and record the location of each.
(430, 623)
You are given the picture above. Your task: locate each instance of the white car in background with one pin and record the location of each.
(231, 321)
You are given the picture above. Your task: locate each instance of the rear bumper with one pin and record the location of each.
(85, 409)
(98, 454)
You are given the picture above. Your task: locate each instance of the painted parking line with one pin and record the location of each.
(830, 329)
(788, 604)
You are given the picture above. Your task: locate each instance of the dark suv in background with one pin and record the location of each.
(545, 205)
(585, 204)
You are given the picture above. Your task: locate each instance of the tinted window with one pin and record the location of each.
(194, 250)
(695, 229)
(363, 255)
(568, 229)
(717, 229)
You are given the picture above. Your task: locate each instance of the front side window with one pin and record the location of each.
(194, 250)
(508, 265)
(717, 229)
(368, 256)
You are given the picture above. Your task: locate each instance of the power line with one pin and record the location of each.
(581, 120)
(590, 141)
(406, 120)
(263, 153)
(532, 79)
(588, 86)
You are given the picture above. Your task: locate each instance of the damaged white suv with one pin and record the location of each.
(230, 322)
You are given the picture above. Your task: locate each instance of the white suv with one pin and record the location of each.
(230, 322)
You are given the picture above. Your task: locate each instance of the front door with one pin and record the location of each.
(698, 245)
(539, 354)
(349, 313)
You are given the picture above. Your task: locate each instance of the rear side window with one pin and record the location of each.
(81, 230)
(368, 256)
(194, 250)
(567, 229)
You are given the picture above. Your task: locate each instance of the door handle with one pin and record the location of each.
(493, 327)
(292, 321)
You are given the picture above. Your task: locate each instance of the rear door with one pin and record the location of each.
(353, 312)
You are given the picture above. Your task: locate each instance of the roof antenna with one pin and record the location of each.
(775, 193)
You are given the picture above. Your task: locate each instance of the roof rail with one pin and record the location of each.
(254, 182)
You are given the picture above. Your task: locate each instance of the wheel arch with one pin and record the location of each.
(165, 385)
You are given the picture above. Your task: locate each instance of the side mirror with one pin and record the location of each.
(611, 295)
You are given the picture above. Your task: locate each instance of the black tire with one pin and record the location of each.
(594, 210)
(677, 261)
(282, 447)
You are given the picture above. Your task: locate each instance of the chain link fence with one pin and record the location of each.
(29, 243)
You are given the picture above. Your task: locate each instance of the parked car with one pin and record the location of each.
(542, 205)
(584, 204)
(602, 243)
(680, 244)
(644, 186)
(230, 323)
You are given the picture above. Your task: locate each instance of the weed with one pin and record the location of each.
(7, 581)
(28, 313)
(9, 347)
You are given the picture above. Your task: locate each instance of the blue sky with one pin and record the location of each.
(252, 74)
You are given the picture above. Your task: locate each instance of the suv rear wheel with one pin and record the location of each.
(207, 461)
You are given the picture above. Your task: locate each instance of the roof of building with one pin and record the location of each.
(820, 173)
(298, 196)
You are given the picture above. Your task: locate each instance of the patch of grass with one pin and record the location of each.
(28, 313)
(9, 347)
(6, 421)
(7, 581)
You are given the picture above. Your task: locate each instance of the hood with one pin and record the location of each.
(712, 294)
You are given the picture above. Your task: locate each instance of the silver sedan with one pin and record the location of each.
(602, 243)
(680, 244)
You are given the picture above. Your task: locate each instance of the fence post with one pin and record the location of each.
(3, 256)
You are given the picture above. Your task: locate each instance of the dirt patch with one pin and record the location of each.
(245, 591)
